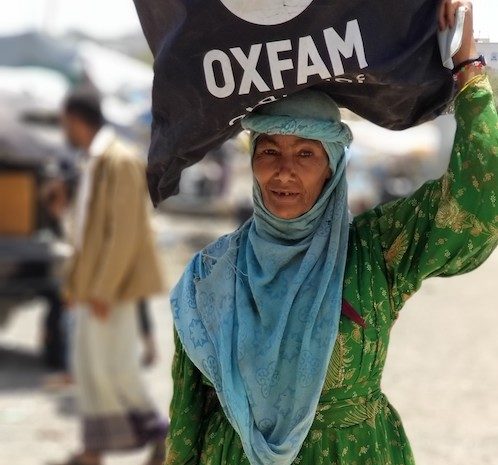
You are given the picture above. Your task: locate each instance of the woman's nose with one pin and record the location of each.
(286, 169)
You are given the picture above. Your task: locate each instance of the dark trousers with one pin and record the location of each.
(56, 332)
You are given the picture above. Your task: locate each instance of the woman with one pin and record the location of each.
(282, 327)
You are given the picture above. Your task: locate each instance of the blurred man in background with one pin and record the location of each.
(114, 266)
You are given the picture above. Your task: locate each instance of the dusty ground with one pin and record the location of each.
(441, 375)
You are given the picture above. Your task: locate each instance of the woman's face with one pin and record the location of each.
(291, 173)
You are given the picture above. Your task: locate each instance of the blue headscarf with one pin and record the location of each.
(258, 310)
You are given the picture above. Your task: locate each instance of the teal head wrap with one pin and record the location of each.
(258, 310)
(309, 114)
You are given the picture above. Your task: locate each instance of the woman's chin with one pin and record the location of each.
(286, 212)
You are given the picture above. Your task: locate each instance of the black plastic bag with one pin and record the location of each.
(216, 60)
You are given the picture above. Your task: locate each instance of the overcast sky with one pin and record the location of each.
(109, 18)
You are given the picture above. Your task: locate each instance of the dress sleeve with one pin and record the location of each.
(187, 407)
(449, 226)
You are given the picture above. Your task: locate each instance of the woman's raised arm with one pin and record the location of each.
(449, 226)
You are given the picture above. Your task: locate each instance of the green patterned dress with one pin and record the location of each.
(447, 227)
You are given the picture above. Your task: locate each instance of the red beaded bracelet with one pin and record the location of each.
(464, 63)
(478, 63)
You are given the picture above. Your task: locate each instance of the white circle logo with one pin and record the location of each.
(266, 12)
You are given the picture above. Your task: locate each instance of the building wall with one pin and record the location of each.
(490, 52)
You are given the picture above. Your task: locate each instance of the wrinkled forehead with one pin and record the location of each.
(286, 140)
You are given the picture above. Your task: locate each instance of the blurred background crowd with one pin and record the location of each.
(50, 48)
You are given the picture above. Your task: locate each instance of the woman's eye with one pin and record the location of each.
(305, 153)
(270, 152)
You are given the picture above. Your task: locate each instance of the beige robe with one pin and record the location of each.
(117, 260)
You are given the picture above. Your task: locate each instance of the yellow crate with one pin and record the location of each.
(17, 203)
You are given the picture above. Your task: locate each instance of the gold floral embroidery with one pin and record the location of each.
(316, 435)
(336, 372)
(171, 456)
(493, 231)
(356, 334)
(398, 248)
(450, 215)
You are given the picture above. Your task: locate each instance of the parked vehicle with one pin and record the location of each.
(32, 158)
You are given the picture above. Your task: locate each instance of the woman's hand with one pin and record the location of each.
(447, 12)
(468, 49)
(447, 18)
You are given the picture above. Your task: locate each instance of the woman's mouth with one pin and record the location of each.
(284, 194)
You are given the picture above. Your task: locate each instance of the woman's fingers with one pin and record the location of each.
(467, 48)
(452, 9)
(442, 15)
(448, 10)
